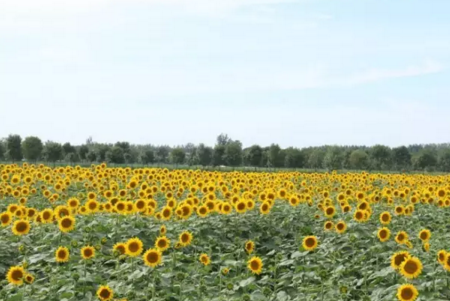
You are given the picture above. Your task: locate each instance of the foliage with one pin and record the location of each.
(359, 159)
(115, 155)
(177, 156)
(231, 153)
(13, 148)
(52, 151)
(147, 157)
(32, 148)
(352, 265)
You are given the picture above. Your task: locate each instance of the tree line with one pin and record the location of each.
(229, 152)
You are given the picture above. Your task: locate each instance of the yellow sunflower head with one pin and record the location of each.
(66, 224)
(185, 238)
(407, 292)
(105, 293)
(16, 275)
(255, 265)
(249, 246)
(62, 254)
(134, 247)
(162, 243)
(153, 258)
(21, 227)
(384, 234)
(398, 258)
(204, 259)
(425, 235)
(310, 243)
(88, 252)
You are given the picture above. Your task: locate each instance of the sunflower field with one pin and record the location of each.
(100, 233)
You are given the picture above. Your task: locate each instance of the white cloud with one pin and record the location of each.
(71, 5)
(373, 75)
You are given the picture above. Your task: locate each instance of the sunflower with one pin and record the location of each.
(29, 278)
(330, 211)
(359, 216)
(92, 206)
(385, 218)
(441, 255)
(185, 238)
(426, 247)
(87, 252)
(407, 292)
(153, 257)
(255, 265)
(384, 234)
(447, 262)
(62, 254)
(241, 206)
(225, 271)
(401, 237)
(310, 243)
(105, 293)
(328, 225)
(120, 248)
(47, 215)
(163, 230)
(202, 211)
(265, 208)
(21, 227)
(134, 247)
(398, 258)
(66, 224)
(425, 235)
(6, 218)
(226, 208)
(341, 227)
(411, 268)
(16, 275)
(162, 243)
(249, 246)
(204, 259)
(166, 213)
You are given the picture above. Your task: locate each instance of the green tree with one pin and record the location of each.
(315, 159)
(425, 160)
(52, 151)
(115, 155)
(125, 146)
(444, 160)
(68, 149)
(2, 151)
(218, 155)
(254, 155)
(359, 159)
(223, 139)
(72, 158)
(401, 157)
(14, 148)
(333, 158)
(204, 154)
(275, 156)
(177, 155)
(294, 158)
(233, 153)
(162, 153)
(83, 150)
(32, 148)
(100, 152)
(91, 156)
(380, 157)
(147, 157)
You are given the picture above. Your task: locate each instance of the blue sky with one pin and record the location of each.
(300, 73)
